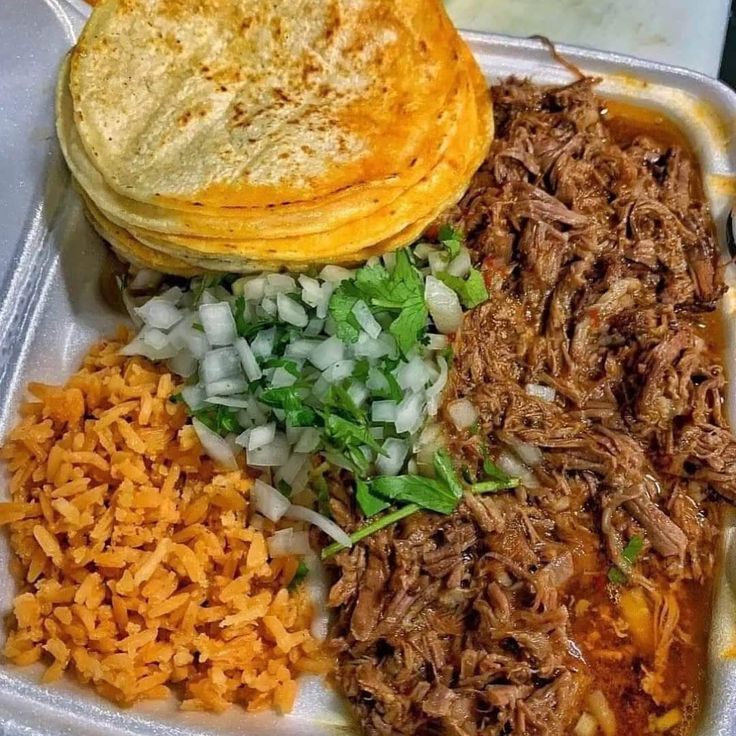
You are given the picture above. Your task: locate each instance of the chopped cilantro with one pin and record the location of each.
(176, 398)
(287, 398)
(619, 574)
(452, 239)
(445, 470)
(428, 493)
(301, 573)
(288, 365)
(399, 293)
(471, 290)
(220, 419)
(370, 503)
(241, 323)
(284, 487)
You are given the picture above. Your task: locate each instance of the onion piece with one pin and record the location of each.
(530, 455)
(308, 441)
(232, 401)
(285, 542)
(462, 413)
(335, 274)
(460, 265)
(409, 414)
(215, 446)
(368, 323)
(444, 305)
(290, 311)
(248, 359)
(339, 371)
(268, 501)
(300, 513)
(219, 364)
(384, 411)
(272, 455)
(218, 322)
(434, 392)
(194, 396)
(279, 283)
(392, 457)
(260, 436)
(513, 467)
(546, 393)
(146, 279)
(159, 313)
(329, 352)
(226, 386)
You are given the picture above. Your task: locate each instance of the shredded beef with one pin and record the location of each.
(600, 262)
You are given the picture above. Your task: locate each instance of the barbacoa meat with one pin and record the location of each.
(600, 261)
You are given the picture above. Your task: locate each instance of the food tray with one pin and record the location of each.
(51, 311)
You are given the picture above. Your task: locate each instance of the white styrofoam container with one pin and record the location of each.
(51, 311)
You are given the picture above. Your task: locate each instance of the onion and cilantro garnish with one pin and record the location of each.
(346, 364)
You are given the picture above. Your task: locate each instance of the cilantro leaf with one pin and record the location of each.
(241, 323)
(341, 309)
(452, 239)
(633, 549)
(301, 572)
(370, 503)
(445, 470)
(398, 293)
(616, 576)
(361, 370)
(428, 493)
(349, 434)
(287, 398)
(472, 290)
(220, 419)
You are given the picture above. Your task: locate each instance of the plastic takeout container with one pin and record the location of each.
(51, 311)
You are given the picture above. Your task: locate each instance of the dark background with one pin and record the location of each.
(728, 63)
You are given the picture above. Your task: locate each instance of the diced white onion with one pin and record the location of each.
(154, 338)
(413, 375)
(462, 413)
(358, 393)
(219, 323)
(218, 364)
(281, 377)
(371, 348)
(329, 352)
(384, 411)
(429, 441)
(301, 349)
(285, 542)
(145, 279)
(434, 392)
(293, 467)
(263, 342)
(248, 359)
(268, 501)
(272, 455)
(291, 312)
(184, 364)
(437, 261)
(443, 305)
(460, 265)
(215, 446)
(546, 393)
(226, 386)
(260, 436)
(368, 323)
(300, 513)
(392, 457)
(159, 313)
(335, 274)
(436, 341)
(512, 466)
(231, 401)
(308, 441)
(254, 288)
(279, 283)
(409, 415)
(339, 371)
(530, 455)
(194, 396)
(268, 307)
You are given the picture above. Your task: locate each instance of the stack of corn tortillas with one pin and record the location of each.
(228, 135)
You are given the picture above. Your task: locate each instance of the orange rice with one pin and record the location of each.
(139, 570)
